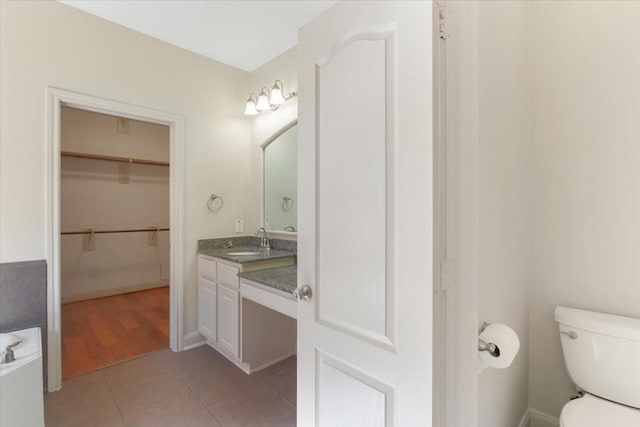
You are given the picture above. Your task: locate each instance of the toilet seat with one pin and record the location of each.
(592, 411)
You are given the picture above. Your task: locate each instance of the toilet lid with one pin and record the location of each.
(592, 411)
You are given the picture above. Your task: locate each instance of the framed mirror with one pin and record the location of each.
(280, 159)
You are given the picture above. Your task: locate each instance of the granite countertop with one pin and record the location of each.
(242, 259)
(284, 279)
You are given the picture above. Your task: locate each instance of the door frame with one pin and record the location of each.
(56, 98)
(456, 214)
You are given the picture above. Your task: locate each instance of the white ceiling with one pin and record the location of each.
(244, 34)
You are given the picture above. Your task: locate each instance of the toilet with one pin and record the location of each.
(602, 355)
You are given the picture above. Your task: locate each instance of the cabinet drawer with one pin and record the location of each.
(228, 276)
(207, 268)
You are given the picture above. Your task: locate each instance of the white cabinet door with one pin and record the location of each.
(228, 276)
(229, 320)
(365, 215)
(207, 306)
(207, 268)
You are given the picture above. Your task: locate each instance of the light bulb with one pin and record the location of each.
(250, 108)
(276, 94)
(263, 101)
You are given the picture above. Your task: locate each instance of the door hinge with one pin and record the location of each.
(444, 25)
(447, 274)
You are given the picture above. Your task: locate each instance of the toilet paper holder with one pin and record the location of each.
(489, 347)
(493, 349)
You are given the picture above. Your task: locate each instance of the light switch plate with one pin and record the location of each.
(239, 226)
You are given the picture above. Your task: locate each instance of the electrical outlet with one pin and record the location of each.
(239, 226)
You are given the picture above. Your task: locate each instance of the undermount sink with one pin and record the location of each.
(246, 253)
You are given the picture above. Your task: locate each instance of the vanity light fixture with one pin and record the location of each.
(250, 108)
(277, 98)
(263, 100)
(267, 100)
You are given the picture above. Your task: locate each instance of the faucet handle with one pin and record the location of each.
(7, 355)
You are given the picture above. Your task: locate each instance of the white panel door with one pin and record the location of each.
(207, 307)
(229, 320)
(365, 230)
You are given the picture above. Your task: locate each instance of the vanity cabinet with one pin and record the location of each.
(207, 298)
(219, 305)
(220, 310)
(229, 325)
(207, 318)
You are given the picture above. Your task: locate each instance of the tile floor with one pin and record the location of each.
(192, 388)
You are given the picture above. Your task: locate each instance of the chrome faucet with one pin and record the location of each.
(7, 354)
(264, 242)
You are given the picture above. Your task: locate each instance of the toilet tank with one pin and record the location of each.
(602, 353)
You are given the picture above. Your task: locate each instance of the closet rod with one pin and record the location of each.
(112, 158)
(139, 230)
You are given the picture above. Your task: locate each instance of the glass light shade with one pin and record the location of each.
(276, 95)
(250, 108)
(263, 101)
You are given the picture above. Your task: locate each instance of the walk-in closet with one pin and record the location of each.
(114, 243)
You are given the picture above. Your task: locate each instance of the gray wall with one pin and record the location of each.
(23, 300)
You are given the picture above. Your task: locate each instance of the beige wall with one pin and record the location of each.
(585, 132)
(94, 133)
(50, 44)
(92, 196)
(263, 126)
(504, 201)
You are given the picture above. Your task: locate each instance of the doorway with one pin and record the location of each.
(114, 247)
(57, 100)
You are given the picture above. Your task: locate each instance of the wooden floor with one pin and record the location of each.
(100, 332)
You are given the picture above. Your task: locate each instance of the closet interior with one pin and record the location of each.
(114, 210)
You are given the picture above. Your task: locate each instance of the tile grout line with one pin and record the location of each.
(113, 396)
(281, 396)
(272, 388)
(200, 400)
(258, 382)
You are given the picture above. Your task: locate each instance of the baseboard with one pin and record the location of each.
(193, 340)
(273, 362)
(118, 290)
(243, 366)
(545, 418)
(524, 421)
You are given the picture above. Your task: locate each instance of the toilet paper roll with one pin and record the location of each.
(507, 341)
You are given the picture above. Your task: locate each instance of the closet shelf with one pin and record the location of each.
(112, 158)
(137, 230)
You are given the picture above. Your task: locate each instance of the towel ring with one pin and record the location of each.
(287, 203)
(211, 202)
